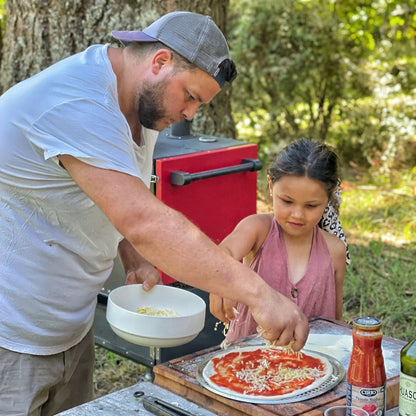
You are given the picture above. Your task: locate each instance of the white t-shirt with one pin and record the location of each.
(56, 246)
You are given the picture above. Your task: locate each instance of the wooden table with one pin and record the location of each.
(333, 338)
(124, 403)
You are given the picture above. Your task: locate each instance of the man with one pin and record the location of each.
(76, 144)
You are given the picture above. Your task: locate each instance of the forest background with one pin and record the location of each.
(340, 71)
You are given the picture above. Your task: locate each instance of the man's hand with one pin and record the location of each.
(145, 274)
(280, 320)
(137, 268)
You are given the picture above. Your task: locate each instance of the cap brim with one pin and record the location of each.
(132, 36)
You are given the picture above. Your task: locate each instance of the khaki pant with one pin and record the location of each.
(36, 385)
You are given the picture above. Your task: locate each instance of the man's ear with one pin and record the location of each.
(161, 58)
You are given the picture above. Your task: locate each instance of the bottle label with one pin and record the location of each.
(370, 399)
(407, 395)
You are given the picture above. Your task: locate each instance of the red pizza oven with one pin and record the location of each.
(213, 182)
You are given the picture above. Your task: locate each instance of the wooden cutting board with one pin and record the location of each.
(179, 376)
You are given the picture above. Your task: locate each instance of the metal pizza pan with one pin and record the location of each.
(337, 375)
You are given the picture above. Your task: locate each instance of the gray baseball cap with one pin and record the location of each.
(194, 36)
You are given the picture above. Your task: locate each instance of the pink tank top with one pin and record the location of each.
(314, 293)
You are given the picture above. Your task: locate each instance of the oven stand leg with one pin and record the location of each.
(148, 376)
(155, 354)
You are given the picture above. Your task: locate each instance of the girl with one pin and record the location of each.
(287, 247)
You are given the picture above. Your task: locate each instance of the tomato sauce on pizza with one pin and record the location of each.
(266, 371)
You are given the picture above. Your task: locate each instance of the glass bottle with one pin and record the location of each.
(366, 375)
(407, 392)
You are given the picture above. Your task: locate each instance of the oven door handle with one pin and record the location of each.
(185, 178)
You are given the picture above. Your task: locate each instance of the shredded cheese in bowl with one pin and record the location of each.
(148, 310)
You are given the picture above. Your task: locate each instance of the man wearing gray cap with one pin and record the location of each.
(76, 154)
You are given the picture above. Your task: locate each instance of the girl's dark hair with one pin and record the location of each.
(309, 158)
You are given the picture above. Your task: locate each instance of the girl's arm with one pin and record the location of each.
(248, 236)
(242, 243)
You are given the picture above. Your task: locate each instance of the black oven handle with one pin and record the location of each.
(185, 178)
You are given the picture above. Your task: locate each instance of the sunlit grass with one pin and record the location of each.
(370, 212)
(113, 372)
(379, 220)
(380, 281)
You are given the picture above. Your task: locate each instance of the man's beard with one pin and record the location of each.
(151, 104)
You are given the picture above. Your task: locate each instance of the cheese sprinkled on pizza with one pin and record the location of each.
(266, 371)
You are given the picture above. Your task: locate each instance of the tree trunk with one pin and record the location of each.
(42, 32)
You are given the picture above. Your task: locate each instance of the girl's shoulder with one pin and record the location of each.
(256, 227)
(260, 221)
(335, 245)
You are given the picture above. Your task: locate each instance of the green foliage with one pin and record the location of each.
(2, 24)
(2, 16)
(344, 72)
(377, 132)
(290, 64)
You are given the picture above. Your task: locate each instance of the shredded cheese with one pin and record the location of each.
(225, 344)
(266, 374)
(259, 379)
(235, 311)
(287, 348)
(148, 310)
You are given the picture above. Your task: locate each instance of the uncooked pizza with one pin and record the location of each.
(268, 373)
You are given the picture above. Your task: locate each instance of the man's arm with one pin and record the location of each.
(173, 244)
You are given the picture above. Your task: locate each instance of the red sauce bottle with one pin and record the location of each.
(366, 375)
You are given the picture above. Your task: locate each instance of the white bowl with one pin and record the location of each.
(155, 331)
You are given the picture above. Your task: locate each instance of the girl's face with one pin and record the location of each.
(298, 203)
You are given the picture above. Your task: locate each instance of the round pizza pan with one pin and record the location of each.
(338, 373)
